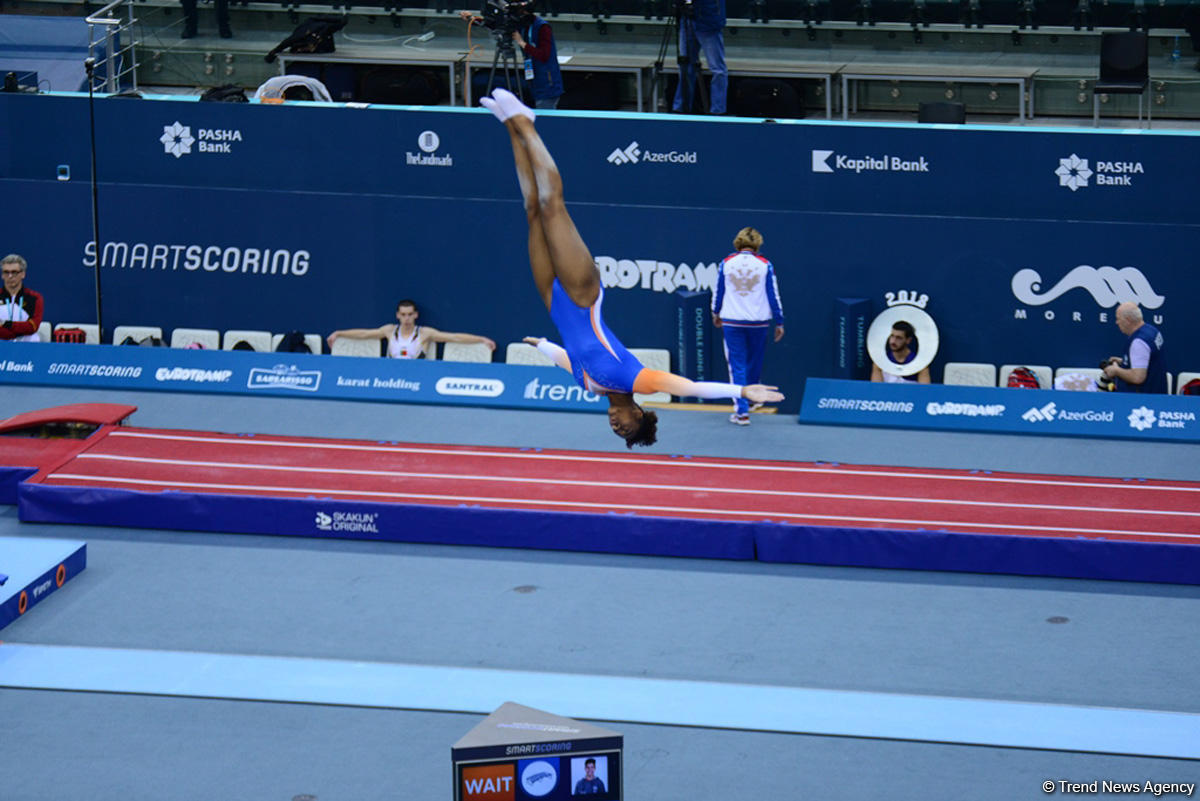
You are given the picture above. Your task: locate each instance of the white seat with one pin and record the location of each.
(466, 352)
(345, 346)
(1061, 380)
(654, 359)
(524, 353)
(208, 338)
(1045, 375)
(969, 374)
(44, 331)
(259, 340)
(136, 332)
(1184, 378)
(312, 340)
(91, 331)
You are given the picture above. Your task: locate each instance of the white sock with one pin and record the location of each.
(511, 105)
(494, 107)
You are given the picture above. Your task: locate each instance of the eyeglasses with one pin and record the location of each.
(12, 272)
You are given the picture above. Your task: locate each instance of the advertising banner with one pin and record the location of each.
(318, 217)
(1099, 415)
(294, 375)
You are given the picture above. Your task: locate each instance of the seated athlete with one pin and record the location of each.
(406, 339)
(569, 284)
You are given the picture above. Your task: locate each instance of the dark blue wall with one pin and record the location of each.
(361, 226)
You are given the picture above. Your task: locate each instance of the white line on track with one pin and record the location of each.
(611, 507)
(617, 485)
(638, 461)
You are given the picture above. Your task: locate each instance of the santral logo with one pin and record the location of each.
(539, 777)
(470, 387)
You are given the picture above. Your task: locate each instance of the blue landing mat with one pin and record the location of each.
(801, 710)
(35, 569)
(1089, 558)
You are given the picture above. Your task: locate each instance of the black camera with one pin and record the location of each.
(504, 17)
(1105, 383)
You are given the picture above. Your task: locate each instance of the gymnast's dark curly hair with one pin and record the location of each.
(647, 432)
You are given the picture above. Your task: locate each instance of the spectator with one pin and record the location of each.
(406, 339)
(21, 314)
(191, 19)
(292, 87)
(1142, 369)
(745, 302)
(700, 26)
(535, 40)
(901, 349)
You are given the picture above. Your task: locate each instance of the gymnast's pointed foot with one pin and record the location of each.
(510, 106)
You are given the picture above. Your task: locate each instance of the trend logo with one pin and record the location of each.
(1042, 414)
(820, 161)
(1141, 418)
(539, 777)
(177, 139)
(629, 155)
(1107, 285)
(1073, 172)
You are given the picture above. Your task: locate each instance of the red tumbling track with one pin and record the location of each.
(678, 487)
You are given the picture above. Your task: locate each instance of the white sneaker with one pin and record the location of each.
(754, 407)
(739, 419)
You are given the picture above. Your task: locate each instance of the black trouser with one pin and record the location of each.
(190, 17)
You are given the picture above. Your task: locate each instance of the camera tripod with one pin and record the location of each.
(505, 59)
(681, 27)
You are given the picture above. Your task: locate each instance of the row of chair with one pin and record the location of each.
(977, 374)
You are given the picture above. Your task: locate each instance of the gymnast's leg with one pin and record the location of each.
(569, 258)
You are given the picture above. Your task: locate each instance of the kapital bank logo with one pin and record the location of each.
(634, 154)
(860, 164)
(1074, 172)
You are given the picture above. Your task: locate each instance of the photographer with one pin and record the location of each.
(700, 26)
(1142, 369)
(532, 36)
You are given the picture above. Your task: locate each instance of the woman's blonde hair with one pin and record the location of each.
(748, 238)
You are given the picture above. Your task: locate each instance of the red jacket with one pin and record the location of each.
(20, 316)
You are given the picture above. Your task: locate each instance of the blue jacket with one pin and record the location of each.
(1156, 371)
(547, 80)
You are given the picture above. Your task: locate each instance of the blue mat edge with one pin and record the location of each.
(74, 564)
(615, 533)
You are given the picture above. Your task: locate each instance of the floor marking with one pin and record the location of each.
(749, 707)
(690, 463)
(609, 507)
(621, 485)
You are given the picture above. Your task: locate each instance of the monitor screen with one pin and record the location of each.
(594, 775)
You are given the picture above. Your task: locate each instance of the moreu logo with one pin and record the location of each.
(539, 777)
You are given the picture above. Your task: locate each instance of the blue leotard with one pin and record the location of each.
(599, 362)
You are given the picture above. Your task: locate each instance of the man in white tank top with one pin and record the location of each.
(900, 351)
(406, 339)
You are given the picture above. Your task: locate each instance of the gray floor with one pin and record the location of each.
(1125, 645)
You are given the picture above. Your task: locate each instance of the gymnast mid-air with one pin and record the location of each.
(569, 284)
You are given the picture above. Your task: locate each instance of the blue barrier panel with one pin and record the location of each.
(313, 217)
(1102, 415)
(294, 375)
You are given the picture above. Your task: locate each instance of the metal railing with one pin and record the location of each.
(107, 28)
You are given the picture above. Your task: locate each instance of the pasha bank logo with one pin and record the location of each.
(177, 139)
(1074, 172)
